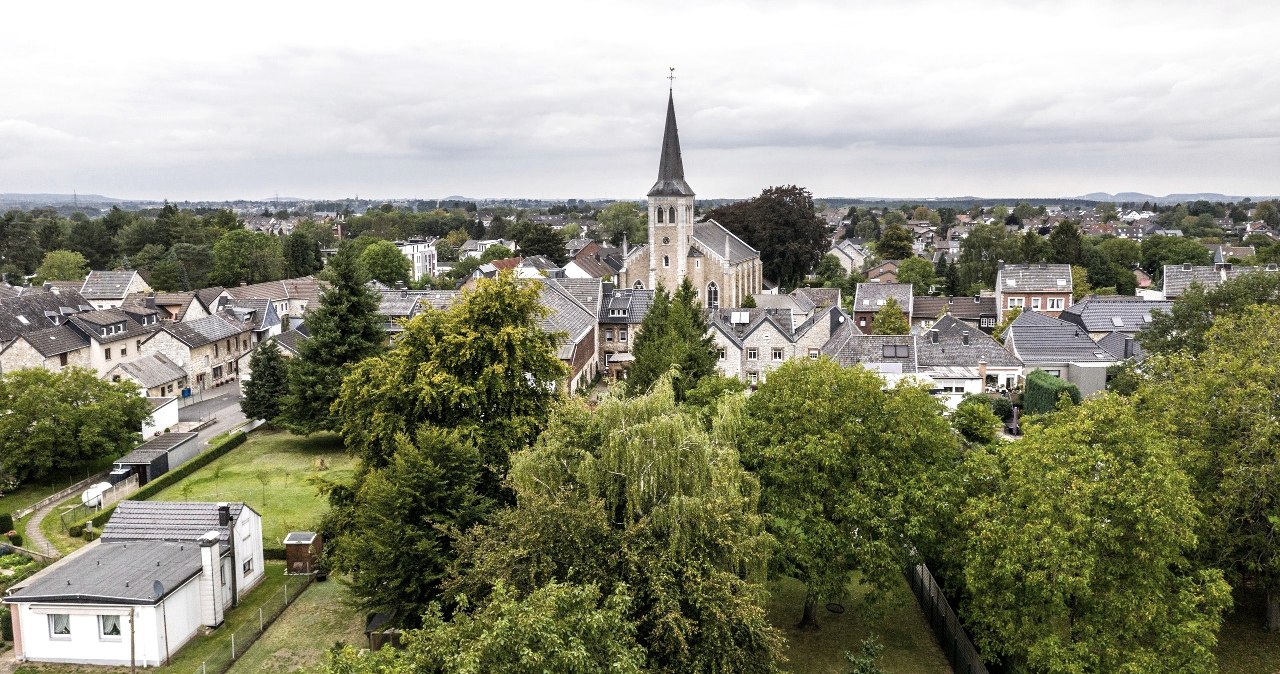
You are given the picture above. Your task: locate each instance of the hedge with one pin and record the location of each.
(160, 483)
(1043, 390)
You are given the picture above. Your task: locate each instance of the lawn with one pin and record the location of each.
(909, 645)
(272, 472)
(34, 490)
(322, 617)
(1244, 644)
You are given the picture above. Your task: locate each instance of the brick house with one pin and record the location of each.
(1045, 288)
(869, 298)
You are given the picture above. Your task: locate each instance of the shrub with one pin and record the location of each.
(91, 535)
(6, 522)
(16, 539)
(6, 624)
(1003, 408)
(1043, 390)
(975, 421)
(75, 530)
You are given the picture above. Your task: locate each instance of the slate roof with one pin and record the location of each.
(114, 573)
(821, 298)
(92, 323)
(671, 165)
(151, 371)
(793, 303)
(53, 341)
(1107, 314)
(203, 331)
(950, 349)
(29, 311)
(1039, 338)
(262, 312)
(713, 237)
(1179, 277)
(587, 291)
(397, 304)
(1034, 278)
(306, 288)
(208, 297)
(290, 340)
(157, 446)
(872, 296)
(848, 347)
(626, 305)
(107, 285)
(567, 316)
(179, 521)
(964, 308)
(722, 318)
(1114, 344)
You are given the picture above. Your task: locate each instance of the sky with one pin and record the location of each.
(566, 99)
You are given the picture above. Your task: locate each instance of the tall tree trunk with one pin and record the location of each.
(809, 621)
(1273, 610)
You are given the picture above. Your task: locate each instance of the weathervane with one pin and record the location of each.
(671, 78)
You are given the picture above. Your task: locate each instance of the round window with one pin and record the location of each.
(666, 240)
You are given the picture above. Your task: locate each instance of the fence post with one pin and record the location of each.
(259, 618)
(233, 646)
(202, 671)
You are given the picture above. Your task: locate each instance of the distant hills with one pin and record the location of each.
(1139, 197)
(16, 197)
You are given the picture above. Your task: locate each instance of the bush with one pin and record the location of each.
(6, 522)
(975, 421)
(1002, 407)
(6, 624)
(75, 530)
(1043, 390)
(16, 539)
(91, 535)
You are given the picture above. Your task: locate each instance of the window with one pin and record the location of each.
(1035, 304)
(813, 354)
(752, 353)
(106, 354)
(721, 353)
(666, 260)
(206, 361)
(217, 372)
(124, 351)
(897, 351)
(62, 359)
(1055, 303)
(660, 213)
(608, 335)
(1017, 302)
(713, 296)
(666, 240)
(247, 566)
(109, 627)
(1056, 373)
(638, 285)
(671, 214)
(622, 335)
(777, 353)
(753, 378)
(59, 626)
(862, 322)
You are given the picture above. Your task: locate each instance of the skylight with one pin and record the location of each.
(23, 320)
(1117, 321)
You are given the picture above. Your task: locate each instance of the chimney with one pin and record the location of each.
(224, 514)
(982, 371)
(626, 247)
(933, 336)
(964, 338)
(212, 592)
(1128, 347)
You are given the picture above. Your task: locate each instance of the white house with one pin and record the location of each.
(160, 572)
(422, 257)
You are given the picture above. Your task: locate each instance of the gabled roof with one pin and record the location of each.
(179, 521)
(964, 308)
(950, 349)
(1039, 338)
(93, 323)
(53, 341)
(821, 298)
(262, 312)
(567, 317)
(31, 311)
(872, 296)
(1179, 277)
(114, 573)
(150, 371)
(848, 347)
(1121, 345)
(290, 340)
(107, 285)
(1016, 278)
(587, 291)
(305, 288)
(738, 324)
(671, 164)
(716, 240)
(626, 305)
(1118, 313)
(205, 330)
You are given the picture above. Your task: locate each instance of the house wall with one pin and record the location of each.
(201, 361)
(165, 416)
(20, 355)
(1090, 378)
(248, 547)
(1030, 299)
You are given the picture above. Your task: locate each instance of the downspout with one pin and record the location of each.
(225, 520)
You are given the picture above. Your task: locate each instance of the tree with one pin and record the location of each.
(919, 272)
(62, 265)
(242, 256)
(301, 252)
(982, 252)
(60, 420)
(1080, 286)
(975, 421)
(1079, 561)
(623, 218)
(849, 472)
(1217, 405)
(1268, 213)
(484, 367)
(265, 391)
(1185, 327)
(636, 493)
(890, 320)
(345, 329)
(673, 334)
(829, 272)
(537, 238)
(405, 519)
(557, 628)
(1065, 244)
(782, 225)
(1124, 252)
(93, 240)
(496, 252)
(383, 262)
(1158, 251)
(895, 243)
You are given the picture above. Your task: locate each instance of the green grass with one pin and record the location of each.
(1244, 644)
(34, 490)
(300, 637)
(271, 472)
(909, 645)
(51, 527)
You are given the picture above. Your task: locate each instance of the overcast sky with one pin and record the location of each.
(566, 99)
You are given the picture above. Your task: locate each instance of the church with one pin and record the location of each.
(722, 268)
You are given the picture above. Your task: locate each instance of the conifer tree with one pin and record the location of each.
(673, 334)
(344, 329)
(264, 393)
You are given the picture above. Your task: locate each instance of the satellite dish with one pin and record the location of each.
(157, 588)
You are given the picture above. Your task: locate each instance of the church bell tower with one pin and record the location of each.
(670, 211)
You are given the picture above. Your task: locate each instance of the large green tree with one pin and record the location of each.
(242, 256)
(301, 252)
(385, 263)
(59, 420)
(780, 223)
(891, 319)
(673, 334)
(851, 474)
(345, 329)
(1186, 325)
(896, 243)
(265, 391)
(919, 272)
(623, 218)
(1080, 560)
(537, 238)
(62, 265)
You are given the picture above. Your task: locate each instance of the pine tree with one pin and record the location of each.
(265, 392)
(344, 329)
(673, 334)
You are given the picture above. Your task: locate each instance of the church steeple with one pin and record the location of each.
(671, 167)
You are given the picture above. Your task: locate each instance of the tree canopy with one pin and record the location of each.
(891, 319)
(623, 218)
(896, 243)
(673, 334)
(63, 265)
(268, 384)
(383, 262)
(782, 225)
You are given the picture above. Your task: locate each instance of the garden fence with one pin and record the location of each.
(233, 644)
(110, 497)
(946, 626)
(62, 494)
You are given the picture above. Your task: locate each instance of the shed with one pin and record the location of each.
(301, 551)
(157, 456)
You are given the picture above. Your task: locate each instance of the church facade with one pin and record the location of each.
(722, 268)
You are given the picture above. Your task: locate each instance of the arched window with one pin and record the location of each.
(660, 213)
(671, 214)
(638, 285)
(666, 260)
(713, 296)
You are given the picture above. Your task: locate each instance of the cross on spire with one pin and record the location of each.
(671, 78)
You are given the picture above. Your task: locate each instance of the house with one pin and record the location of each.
(622, 312)
(291, 297)
(207, 348)
(288, 342)
(422, 257)
(885, 272)
(574, 310)
(1060, 348)
(260, 315)
(1038, 287)
(476, 248)
(594, 261)
(962, 360)
(893, 357)
(156, 375)
(155, 457)
(869, 298)
(160, 573)
(978, 311)
(108, 289)
(852, 253)
(752, 342)
(1223, 254)
(1100, 315)
(1178, 277)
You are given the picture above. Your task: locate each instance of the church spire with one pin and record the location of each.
(671, 167)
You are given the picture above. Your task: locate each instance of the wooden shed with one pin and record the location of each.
(302, 551)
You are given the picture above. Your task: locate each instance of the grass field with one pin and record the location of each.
(272, 473)
(300, 637)
(909, 645)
